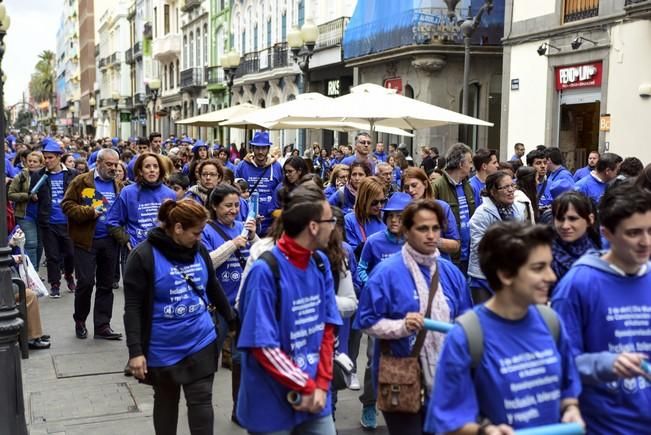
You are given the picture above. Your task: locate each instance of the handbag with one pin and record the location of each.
(342, 371)
(400, 386)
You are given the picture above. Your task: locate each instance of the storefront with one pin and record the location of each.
(579, 109)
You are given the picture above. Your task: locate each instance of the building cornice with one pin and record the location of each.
(420, 50)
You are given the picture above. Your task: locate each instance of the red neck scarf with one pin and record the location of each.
(297, 255)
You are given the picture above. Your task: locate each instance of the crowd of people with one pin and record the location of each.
(281, 264)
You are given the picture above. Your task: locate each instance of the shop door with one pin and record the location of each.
(578, 126)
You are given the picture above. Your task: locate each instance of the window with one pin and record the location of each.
(283, 27)
(165, 77)
(301, 13)
(172, 75)
(166, 19)
(191, 54)
(178, 73)
(155, 22)
(198, 48)
(205, 44)
(269, 32)
(255, 37)
(185, 51)
(243, 41)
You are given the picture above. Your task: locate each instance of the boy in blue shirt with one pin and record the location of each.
(594, 184)
(605, 303)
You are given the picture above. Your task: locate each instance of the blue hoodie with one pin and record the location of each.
(270, 176)
(136, 209)
(558, 182)
(592, 187)
(605, 313)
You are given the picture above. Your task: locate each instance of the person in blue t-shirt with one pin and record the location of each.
(394, 302)
(379, 153)
(228, 241)
(210, 173)
(594, 185)
(338, 179)
(293, 170)
(222, 155)
(580, 173)
(169, 294)
(344, 197)
(520, 375)
(134, 212)
(142, 146)
(559, 179)
(485, 163)
(263, 174)
(416, 184)
(604, 301)
(365, 219)
(53, 223)
(382, 245)
(362, 152)
(287, 336)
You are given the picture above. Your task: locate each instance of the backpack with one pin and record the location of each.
(469, 321)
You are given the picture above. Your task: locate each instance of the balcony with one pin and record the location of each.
(97, 50)
(167, 46)
(128, 56)
(102, 63)
(106, 102)
(137, 50)
(139, 99)
(215, 75)
(190, 4)
(331, 33)
(192, 78)
(115, 59)
(576, 10)
(263, 60)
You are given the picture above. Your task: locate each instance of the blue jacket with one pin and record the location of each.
(581, 173)
(558, 182)
(591, 187)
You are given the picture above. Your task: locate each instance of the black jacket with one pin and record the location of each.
(139, 288)
(45, 193)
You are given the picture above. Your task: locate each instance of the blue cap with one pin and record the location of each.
(199, 144)
(51, 146)
(397, 202)
(186, 140)
(115, 141)
(260, 139)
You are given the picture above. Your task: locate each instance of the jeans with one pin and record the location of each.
(95, 266)
(368, 396)
(320, 426)
(198, 397)
(58, 246)
(32, 240)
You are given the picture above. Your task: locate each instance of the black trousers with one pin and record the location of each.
(198, 397)
(95, 266)
(58, 246)
(403, 423)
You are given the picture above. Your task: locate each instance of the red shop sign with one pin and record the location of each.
(394, 83)
(579, 76)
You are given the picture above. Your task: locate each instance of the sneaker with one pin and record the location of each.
(354, 382)
(72, 286)
(80, 329)
(369, 418)
(55, 292)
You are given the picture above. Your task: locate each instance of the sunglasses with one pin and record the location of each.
(332, 220)
(377, 202)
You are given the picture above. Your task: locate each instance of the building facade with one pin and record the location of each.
(419, 51)
(577, 75)
(87, 48)
(67, 85)
(138, 16)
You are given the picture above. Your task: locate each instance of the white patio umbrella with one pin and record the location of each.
(213, 119)
(375, 106)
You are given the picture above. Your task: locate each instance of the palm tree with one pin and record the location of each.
(41, 85)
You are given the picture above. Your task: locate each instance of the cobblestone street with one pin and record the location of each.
(77, 386)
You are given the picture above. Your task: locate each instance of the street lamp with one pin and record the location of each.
(154, 85)
(116, 99)
(230, 64)
(302, 43)
(12, 410)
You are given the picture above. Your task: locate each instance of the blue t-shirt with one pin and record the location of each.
(57, 191)
(329, 190)
(591, 187)
(297, 329)
(377, 248)
(352, 159)
(451, 231)
(136, 209)
(244, 210)
(521, 379)
(581, 173)
(270, 177)
(464, 227)
(343, 198)
(228, 273)
(558, 182)
(356, 234)
(107, 191)
(181, 324)
(132, 163)
(606, 313)
(477, 186)
(391, 293)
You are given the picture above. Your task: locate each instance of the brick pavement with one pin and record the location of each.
(77, 386)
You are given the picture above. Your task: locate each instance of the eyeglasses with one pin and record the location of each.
(332, 220)
(377, 202)
(209, 174)
(508, 186)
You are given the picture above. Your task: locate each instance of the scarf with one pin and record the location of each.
(351, 189)
(507, 212)
(295, 253)
(433, 343)
(174, 252)
(201, 192)
(565, 254)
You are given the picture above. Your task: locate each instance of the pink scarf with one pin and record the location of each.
(433, 344)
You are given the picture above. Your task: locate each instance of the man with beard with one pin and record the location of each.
(593, 159)
(86, 202)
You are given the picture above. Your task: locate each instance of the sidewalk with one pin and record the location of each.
(77, 386)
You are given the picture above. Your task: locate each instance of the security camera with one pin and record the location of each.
(542, 49)
(576, 43)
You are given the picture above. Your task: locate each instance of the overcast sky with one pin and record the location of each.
(33, 29)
